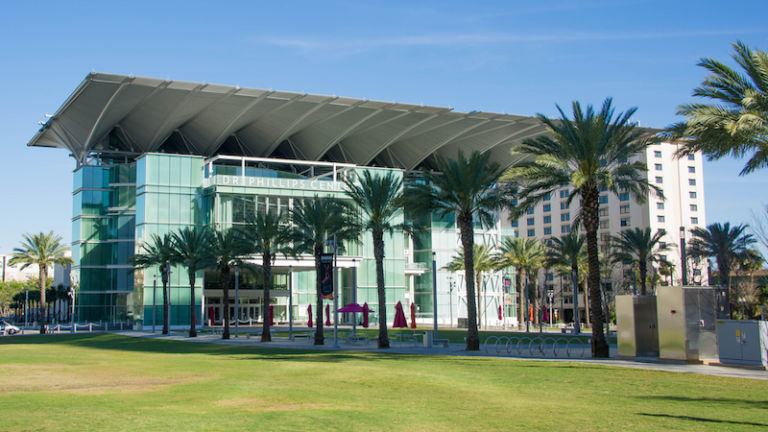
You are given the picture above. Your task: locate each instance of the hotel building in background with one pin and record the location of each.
(153, 156)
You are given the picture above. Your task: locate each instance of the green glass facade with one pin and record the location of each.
(119, 205)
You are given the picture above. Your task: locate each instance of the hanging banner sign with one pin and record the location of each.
(326, 275)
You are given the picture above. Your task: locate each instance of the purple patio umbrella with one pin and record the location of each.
(400, 321)
(365, 315)
(309, 312)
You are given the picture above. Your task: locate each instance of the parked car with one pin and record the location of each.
(7, 328)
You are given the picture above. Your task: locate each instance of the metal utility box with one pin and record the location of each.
(743, 342)
(636, 320)
(687, 323)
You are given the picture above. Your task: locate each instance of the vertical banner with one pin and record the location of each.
(326, 275)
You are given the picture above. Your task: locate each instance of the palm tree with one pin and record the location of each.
(484, 260)
(568, 255)
(736, 122)
(44, 250)
(590, 152)
(267, 234)
(227, 248)
(666, 269)
(467, 188)
(157, 252)
(380, 198)
(527, 256)
(639, 246)
(314, 221)
(728, 245)
(191, 248)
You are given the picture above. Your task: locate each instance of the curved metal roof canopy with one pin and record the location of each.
(121, 114)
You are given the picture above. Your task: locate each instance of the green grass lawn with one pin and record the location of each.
(109, 382)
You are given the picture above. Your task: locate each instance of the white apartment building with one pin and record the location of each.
(682, 207)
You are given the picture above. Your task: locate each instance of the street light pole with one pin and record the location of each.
(550, 294)
(154, 295)
(576, 323)
(290, 302)
(683, 266)
(237, 301)
(26, 306)
(434, 293)
(335, 296)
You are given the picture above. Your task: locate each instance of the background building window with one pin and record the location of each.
(547, 219)
(530, 221)
(659, 180)
(657, 153)
(565, 217)
(531, 232)
(564, 194)
(695, 220)
(624, 209)
(657, 166)
(660, 218)
(565, 229)
(602, 211)
(691, 182)
(603, 199)
(660, 205)
(604, 224)
(691, 157)
(563, 205)
(694, 207)
(624, 222)
(691, 169)
(547, 230)
(547, 207)
(547, 196)
(624, 196)
(692, 194)
(529, 211)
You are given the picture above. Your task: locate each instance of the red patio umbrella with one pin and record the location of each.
(365, 315)
(352, 307)
(501, 314)
(309, 312)
(399, 321)
(327, 315)
(413, 315)
(271, 315)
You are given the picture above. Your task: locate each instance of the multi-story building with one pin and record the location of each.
(677, 209)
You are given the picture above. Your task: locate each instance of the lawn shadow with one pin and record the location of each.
(703, 419)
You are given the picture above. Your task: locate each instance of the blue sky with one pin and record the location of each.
(506, 56)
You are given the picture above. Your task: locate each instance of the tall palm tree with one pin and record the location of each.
(639, 246)
(527, 257)
(484, 260)
(380, 198)
(44, 250)
(735, 122)
(267, 234)
(468, 188)
(725, 243)
(589, 152)
(227, 248)
(158, 251)
(314, 221)
(567, 254)
(191, 248)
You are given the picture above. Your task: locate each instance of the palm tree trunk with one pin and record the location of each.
(589, 210)
(467, 241)
(643, 276)
(192, 317)
(266, 265)
(319, 336)
(43, 273)
(224, 278)
(378, 254)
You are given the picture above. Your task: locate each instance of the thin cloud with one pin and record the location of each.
(474, 39)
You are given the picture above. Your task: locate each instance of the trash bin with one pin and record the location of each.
(428, 340)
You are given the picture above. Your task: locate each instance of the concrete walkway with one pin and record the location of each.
(455, 350)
